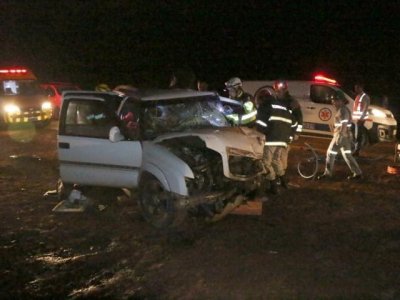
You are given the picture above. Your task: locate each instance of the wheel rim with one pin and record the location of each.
(156, 203)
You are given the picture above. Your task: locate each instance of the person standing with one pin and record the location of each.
(275, 121)
(246, 113)
(360, 114)
(341, 141)
(282, 93)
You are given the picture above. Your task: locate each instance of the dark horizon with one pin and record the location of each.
(130, 41)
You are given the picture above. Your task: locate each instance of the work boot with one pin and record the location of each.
(284, 182)
(274, 189)
(355, 177)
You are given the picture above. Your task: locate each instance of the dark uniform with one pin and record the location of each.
(275, 121)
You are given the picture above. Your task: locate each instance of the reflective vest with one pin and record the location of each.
(360, 107)
(249, 112)
(342, 118)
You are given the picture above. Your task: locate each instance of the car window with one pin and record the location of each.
(322, 94)
(88, 118)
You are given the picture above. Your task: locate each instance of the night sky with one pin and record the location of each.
(141, 42)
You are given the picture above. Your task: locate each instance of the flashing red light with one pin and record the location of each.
(13, 71)
(322, 78)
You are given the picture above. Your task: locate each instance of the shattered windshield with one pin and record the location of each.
(175, 115)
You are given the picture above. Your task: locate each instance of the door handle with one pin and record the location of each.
(63, 145)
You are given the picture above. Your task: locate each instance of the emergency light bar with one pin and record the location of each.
(322, 78)
(13, 71)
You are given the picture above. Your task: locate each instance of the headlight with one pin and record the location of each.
(46, 105)
(12, 109)
(377, 113)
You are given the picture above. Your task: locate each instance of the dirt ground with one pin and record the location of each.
(318, 240)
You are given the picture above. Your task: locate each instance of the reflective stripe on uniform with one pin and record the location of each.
(261, 123)
(249, 115)
(275, 144)
(274, 118)
(357, 113)
(275, 106)
(299, 128)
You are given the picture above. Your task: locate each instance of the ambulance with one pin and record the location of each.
(21, 98)
(315, 98)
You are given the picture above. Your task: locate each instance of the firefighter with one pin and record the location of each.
(282, 93)
(275, 121)
(360, 114)
(246, 114)
(341, 141)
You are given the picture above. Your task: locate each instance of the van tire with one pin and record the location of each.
(158, 206)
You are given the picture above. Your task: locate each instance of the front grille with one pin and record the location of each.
(29, 116)
(245, 166)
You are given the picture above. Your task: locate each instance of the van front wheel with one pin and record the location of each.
(158, 206)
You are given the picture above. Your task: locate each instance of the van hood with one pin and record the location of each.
(240, 140)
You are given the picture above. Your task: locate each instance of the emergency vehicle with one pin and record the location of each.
(54, 92)
(21, 98)
(315, 98)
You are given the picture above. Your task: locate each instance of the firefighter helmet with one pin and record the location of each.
(102, 87)
(234, 82)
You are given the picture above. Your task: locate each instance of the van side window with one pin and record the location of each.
(322, 94)
(88, 118)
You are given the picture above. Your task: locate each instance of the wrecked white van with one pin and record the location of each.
(175, 147)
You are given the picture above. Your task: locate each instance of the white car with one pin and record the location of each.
(174, 146)
(318, 112)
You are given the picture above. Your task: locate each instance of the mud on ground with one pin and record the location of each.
(318, 240)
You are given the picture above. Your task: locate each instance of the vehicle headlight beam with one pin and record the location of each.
(12, 109)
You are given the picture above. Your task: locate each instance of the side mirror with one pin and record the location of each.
(115, 135)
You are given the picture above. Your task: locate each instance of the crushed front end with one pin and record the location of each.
(227, 168)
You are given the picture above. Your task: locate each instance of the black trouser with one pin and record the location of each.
(358, 135)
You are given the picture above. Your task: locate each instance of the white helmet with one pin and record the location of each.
(233, 82)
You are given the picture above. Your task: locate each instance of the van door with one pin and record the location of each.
(318, 110)
(86, 154)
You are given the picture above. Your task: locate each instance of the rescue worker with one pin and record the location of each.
(275, 121)
(282, 93)
(360, 114)
(341, 141)
(102, 87)
(246, 113)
